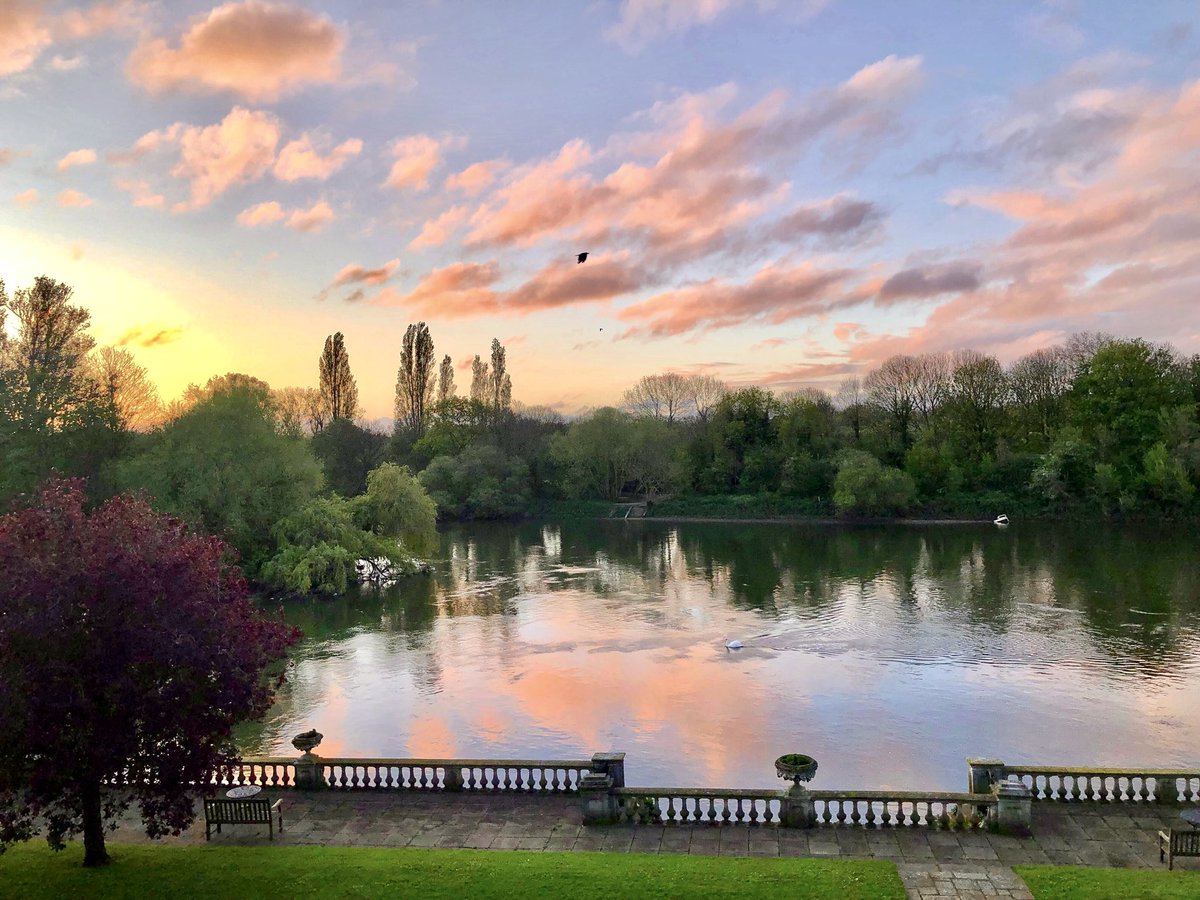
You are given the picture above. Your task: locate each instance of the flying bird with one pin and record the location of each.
(581, 258)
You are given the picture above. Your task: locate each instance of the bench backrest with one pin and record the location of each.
(1185, 843)
(249, 811)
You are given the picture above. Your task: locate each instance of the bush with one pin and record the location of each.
(479, 483)
(865, 487)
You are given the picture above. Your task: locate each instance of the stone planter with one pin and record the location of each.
(796, 767)
(308, 741)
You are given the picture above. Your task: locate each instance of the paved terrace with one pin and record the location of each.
(932, 863)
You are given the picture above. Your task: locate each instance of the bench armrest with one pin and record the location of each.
(276, 804)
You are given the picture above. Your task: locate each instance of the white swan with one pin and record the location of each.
(1000, 520)
(733, 645)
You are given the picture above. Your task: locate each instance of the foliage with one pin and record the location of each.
(347, 453)
(396, 506)
(415, 379)
(866, 487)
(479, 483)
(127, 644)
(612, 452)
(223, 467)
(339, 391)
(224, 871)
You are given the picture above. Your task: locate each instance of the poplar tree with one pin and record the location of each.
(446, 387)
(415, 378)
(339, 393)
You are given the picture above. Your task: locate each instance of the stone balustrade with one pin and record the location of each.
(527, 775)
(886, 809)
(1091, 784)
(686, 806)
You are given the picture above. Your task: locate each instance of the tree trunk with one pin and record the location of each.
(94, 853)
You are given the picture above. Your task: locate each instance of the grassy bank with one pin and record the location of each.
(140, 871)
(1079, 883)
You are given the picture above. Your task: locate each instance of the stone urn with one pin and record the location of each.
(306, 742)
(796, 767)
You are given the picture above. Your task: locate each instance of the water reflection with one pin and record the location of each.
(890, 653)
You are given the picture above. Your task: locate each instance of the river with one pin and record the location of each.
(889, 653)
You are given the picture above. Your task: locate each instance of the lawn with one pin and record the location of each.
(1071, 882)
(140, 871)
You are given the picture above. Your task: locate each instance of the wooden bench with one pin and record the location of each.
(220, 811)
(1177, 843)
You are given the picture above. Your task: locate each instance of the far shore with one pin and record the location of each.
(798, 520)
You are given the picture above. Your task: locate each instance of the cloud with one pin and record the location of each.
(258, 50)
(436, 232)
(27, 29)
(1055, 24)
(415, 158)
(356, 274)
(26, 198)
(302, 158)
(143, 194)
(238, 149)
(83, 157)
(642, 21)
(459, 289)
(261, 214)
(149, 336)
(833, 221)
(73, 199)
(7, 155)
(67, 63)
(24, 34)
(929, 281)
(775, 294)
(477, 177)
(706, 176)
(312, 219)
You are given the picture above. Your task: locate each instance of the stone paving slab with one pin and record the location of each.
(932, 863)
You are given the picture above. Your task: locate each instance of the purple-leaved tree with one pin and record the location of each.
(128, 644)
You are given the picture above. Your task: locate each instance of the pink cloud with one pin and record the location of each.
(26, 198)
(477, 177)
(415, 158)
(84, 157)
(24, 34)
(302, 158)
(312, 219)
(356, 274)
(929, 281)
(775, 294)
(73, 199)
(238, 149)
(258, 50)
(67, 63)
(143, 194)
(437, 231)
(261, 214)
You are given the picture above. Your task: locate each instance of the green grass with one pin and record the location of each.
(142, 871)
(1071, 882)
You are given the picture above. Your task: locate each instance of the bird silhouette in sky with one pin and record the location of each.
(581, 258)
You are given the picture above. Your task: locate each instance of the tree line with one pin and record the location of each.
(1098, 425)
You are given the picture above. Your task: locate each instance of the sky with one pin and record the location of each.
(775, 193)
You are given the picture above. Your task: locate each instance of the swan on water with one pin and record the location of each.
(1000, 520)
(733, 645)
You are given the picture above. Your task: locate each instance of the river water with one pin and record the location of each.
(889, 653)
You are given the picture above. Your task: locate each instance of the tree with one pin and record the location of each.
(479, 380)
(1039, 382)
(446, 388)
(866, 487)
(222, 466)
(297, 411)
(126, 387)
(978, 393)
(339, 392)
(704, 392)
(851, 397)
(128, 644)
(500, 384)
(348, 452)
(395, 505)
(53, 415)
(659, 396)
(1126, 393)
(480, 483)
(892, 388)
(415, 379)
